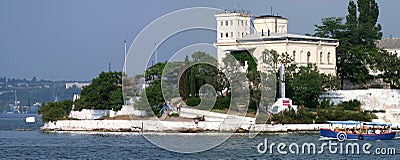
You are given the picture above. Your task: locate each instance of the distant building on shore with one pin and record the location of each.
(79, 85)
(270, 32)
(392, 45)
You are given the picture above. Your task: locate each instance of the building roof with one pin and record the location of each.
(283, 36)
(268, 16)
(389, 43)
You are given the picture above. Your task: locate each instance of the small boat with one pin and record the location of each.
(30, 119)
(360, 131)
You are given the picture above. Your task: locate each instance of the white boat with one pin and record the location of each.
(30, 119)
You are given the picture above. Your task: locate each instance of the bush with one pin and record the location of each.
(193, 101)
(173, 114)
(353, 105)
(54, 111)
(222, 103)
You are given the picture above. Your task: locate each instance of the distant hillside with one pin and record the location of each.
(29, 92)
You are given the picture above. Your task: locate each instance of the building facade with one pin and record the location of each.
(392, 45)
(235, 33)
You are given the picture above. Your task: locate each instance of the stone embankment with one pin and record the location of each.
(170, 126)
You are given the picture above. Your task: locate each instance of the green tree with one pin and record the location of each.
(304, 86)
(388, 64)
(332, 27)
(357, 37)
(105, 92)
(53, 111)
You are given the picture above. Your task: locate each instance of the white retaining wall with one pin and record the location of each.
(371, 99)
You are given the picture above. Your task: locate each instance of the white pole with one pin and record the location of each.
(125, 54)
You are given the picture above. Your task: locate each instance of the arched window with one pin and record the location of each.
(222, 35)
(242, 34)
(294, 56)
(226, 34)
(301, 57)
(320, 57)
(226, 23)
(308, 56)
(231, 34)
(231, 22)
(242, 22)
(328, 57)
(222, 23)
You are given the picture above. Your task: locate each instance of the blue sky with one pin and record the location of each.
(75, 40)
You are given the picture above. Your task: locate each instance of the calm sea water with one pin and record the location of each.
(20, 140)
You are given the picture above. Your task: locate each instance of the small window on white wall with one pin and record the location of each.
(294, 56)
(231, 22)
(328, 57)
(226, 34)
(308, 56)
(226, 23)
(301, 56)
(222, 23)
(320, 57)
(222, 35)
(231, 34)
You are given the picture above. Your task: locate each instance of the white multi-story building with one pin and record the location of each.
(79, 85)
(270, 33)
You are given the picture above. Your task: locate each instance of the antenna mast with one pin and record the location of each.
(125, 55)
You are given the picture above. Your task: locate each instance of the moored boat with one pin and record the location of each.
(359, 131)
(30, 119)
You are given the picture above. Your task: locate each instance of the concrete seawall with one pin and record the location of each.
(166, 126)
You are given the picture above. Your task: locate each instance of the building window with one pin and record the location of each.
(301, 56)
(246, 23)
(226, 23)
(226, 34)
(231, 22)
(328, 57)
(231, 34)
(242, 22)
(222, 23)
(242, 34)
(294, 56)
(320, 57)
(222, 35)
(308, 56)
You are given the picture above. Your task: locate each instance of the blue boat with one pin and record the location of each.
(359, 131)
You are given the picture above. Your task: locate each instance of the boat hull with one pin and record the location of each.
(341, 136)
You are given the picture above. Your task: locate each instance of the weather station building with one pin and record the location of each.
(235, 33)
(270, 32)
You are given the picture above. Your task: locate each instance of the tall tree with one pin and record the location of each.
(357, 37)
